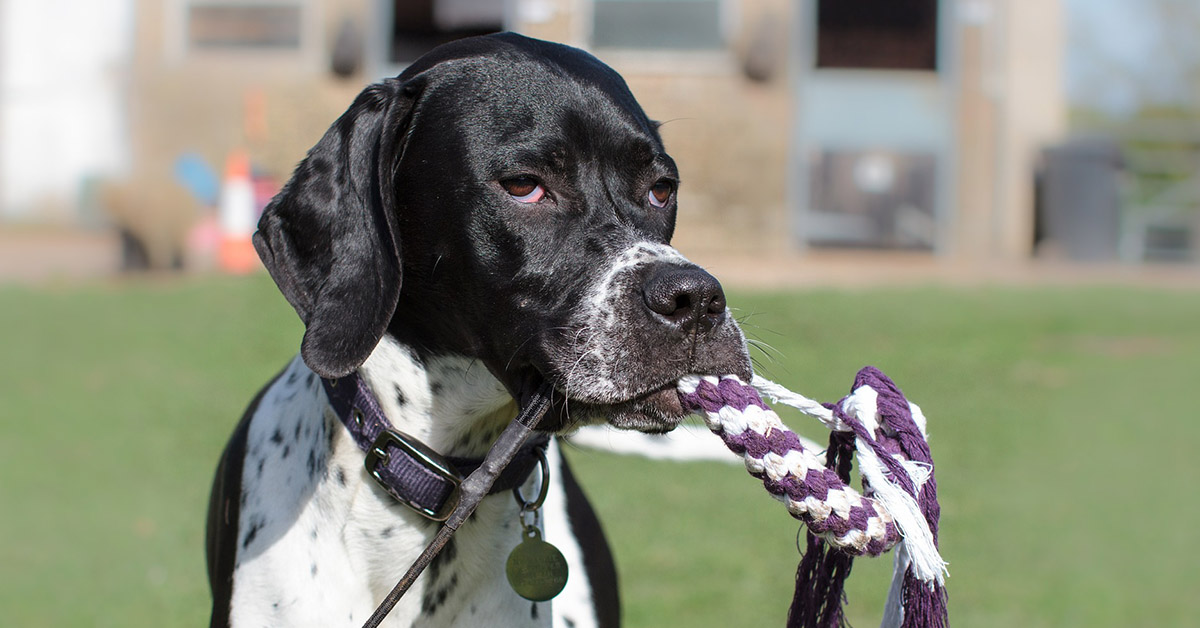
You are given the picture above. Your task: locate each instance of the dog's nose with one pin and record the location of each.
(685, 296)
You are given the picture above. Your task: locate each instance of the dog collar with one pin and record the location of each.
(409, 470)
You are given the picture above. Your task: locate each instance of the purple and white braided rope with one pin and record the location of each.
(899, 502)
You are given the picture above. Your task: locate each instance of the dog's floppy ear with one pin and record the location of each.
(329, 238)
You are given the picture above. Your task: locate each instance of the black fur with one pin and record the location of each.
(397, 221)
(402, 221)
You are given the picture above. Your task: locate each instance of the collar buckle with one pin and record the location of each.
(380, 454)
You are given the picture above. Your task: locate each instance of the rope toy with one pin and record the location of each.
(898, 505)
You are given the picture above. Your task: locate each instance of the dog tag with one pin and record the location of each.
(536, 569)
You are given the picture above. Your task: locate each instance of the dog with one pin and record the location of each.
(494, 219)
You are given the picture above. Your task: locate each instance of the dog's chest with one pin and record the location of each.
(320, 544)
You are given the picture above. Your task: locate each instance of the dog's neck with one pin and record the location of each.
(451, 403)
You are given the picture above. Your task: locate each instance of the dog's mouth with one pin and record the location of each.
(655, 411)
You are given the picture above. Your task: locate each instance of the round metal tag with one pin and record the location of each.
(536, 569)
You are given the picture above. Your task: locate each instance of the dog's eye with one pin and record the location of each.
(524, 189)
(660, 193)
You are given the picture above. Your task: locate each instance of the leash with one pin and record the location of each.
(898, 505)
(472, 490)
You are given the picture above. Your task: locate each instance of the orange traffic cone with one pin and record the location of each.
(236, 213)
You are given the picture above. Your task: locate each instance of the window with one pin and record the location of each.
(873, 198)
(244, 25)
(877, 34)
(657, 24)
(417, 26)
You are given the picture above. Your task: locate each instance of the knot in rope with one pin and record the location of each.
(898, 505)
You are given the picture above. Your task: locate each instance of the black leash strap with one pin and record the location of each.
(473, 490)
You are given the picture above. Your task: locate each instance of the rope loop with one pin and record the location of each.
(898, 504)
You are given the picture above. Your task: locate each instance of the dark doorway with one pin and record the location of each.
(421, 25)
(877, 34)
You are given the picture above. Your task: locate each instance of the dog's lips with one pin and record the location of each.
(659, 410)
(656, 410)
(666, 400)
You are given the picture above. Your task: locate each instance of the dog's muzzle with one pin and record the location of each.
(651, 322)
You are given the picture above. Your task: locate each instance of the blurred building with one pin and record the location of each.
(882, 124)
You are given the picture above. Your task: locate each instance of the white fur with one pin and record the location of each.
(575, 603)
(603, 351)
(325, 553)
(640, 254)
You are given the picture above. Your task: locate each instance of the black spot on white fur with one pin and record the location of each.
(431, 602)
(255, 526)
(436, 591)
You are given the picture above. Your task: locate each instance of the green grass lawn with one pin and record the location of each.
(1062, 421)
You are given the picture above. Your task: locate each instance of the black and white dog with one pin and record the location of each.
(496, 217)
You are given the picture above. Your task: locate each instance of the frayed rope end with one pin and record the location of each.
(924, 604)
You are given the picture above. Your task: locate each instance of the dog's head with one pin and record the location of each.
(505, 199)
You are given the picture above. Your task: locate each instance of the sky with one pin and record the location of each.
(1119, 53)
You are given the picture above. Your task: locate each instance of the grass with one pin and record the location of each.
(1062, 419)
